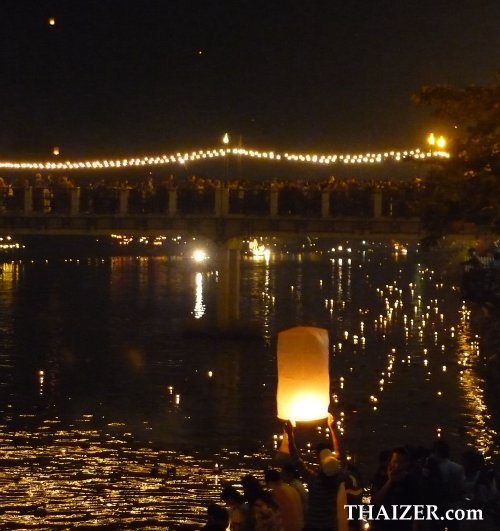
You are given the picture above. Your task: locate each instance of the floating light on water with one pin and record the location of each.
(303, 374)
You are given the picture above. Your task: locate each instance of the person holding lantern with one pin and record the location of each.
(327, 496)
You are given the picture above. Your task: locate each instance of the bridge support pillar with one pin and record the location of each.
(325, 204)
(75, 201)
(28, 200)
(123, 202)
(172, 203)
(273, 203)
(221, 201)
(377, 203)
(228, 292)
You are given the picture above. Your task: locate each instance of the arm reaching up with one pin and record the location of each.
(290, 435)
(335, 442)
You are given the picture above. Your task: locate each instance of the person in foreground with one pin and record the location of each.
(325, 511)
(400, 485)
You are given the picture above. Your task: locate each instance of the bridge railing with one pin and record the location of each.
(210, 202)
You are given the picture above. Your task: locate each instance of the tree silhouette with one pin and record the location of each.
(465, 187)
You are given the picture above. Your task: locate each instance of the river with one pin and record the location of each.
(112, 417)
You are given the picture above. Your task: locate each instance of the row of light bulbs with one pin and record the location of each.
(194, 156)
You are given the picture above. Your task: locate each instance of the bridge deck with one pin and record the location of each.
(216, 228)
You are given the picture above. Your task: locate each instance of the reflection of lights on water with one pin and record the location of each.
(41, 376)
(9, 271)
(199, 307)
(473, 387)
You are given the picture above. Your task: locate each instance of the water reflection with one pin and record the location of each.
(199, 307)
(110, 415)
(478, 418)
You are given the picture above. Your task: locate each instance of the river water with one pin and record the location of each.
(111, 417)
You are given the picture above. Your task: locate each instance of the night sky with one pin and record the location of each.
(126, 77)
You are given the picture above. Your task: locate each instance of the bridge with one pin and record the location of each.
(217, 213)
(220, 214)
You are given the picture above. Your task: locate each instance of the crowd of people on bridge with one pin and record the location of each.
(299, 496)
(149, 194)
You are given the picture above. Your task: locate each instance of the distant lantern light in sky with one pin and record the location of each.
(52, 21)
(303, 374)
(55, 150)
(225, 138)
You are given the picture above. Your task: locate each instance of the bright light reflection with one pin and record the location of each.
(199, 307)
(473, 387)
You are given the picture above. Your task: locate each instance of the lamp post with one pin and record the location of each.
(225, 141)
(439, 142)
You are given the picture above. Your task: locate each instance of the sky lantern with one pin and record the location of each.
(55, 150)
(52, 21)
(303, 374)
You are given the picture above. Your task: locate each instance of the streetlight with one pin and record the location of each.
(439, 142)
(225, 141)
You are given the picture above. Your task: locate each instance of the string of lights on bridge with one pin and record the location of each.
(218, 153)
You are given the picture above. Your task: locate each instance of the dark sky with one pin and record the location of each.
(118, 77)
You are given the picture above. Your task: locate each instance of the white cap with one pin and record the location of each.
(329, 463)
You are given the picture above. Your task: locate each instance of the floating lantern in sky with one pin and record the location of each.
(303, 374)
(55, 150)
(52, 21)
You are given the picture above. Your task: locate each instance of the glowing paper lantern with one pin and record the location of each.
(303, 374)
